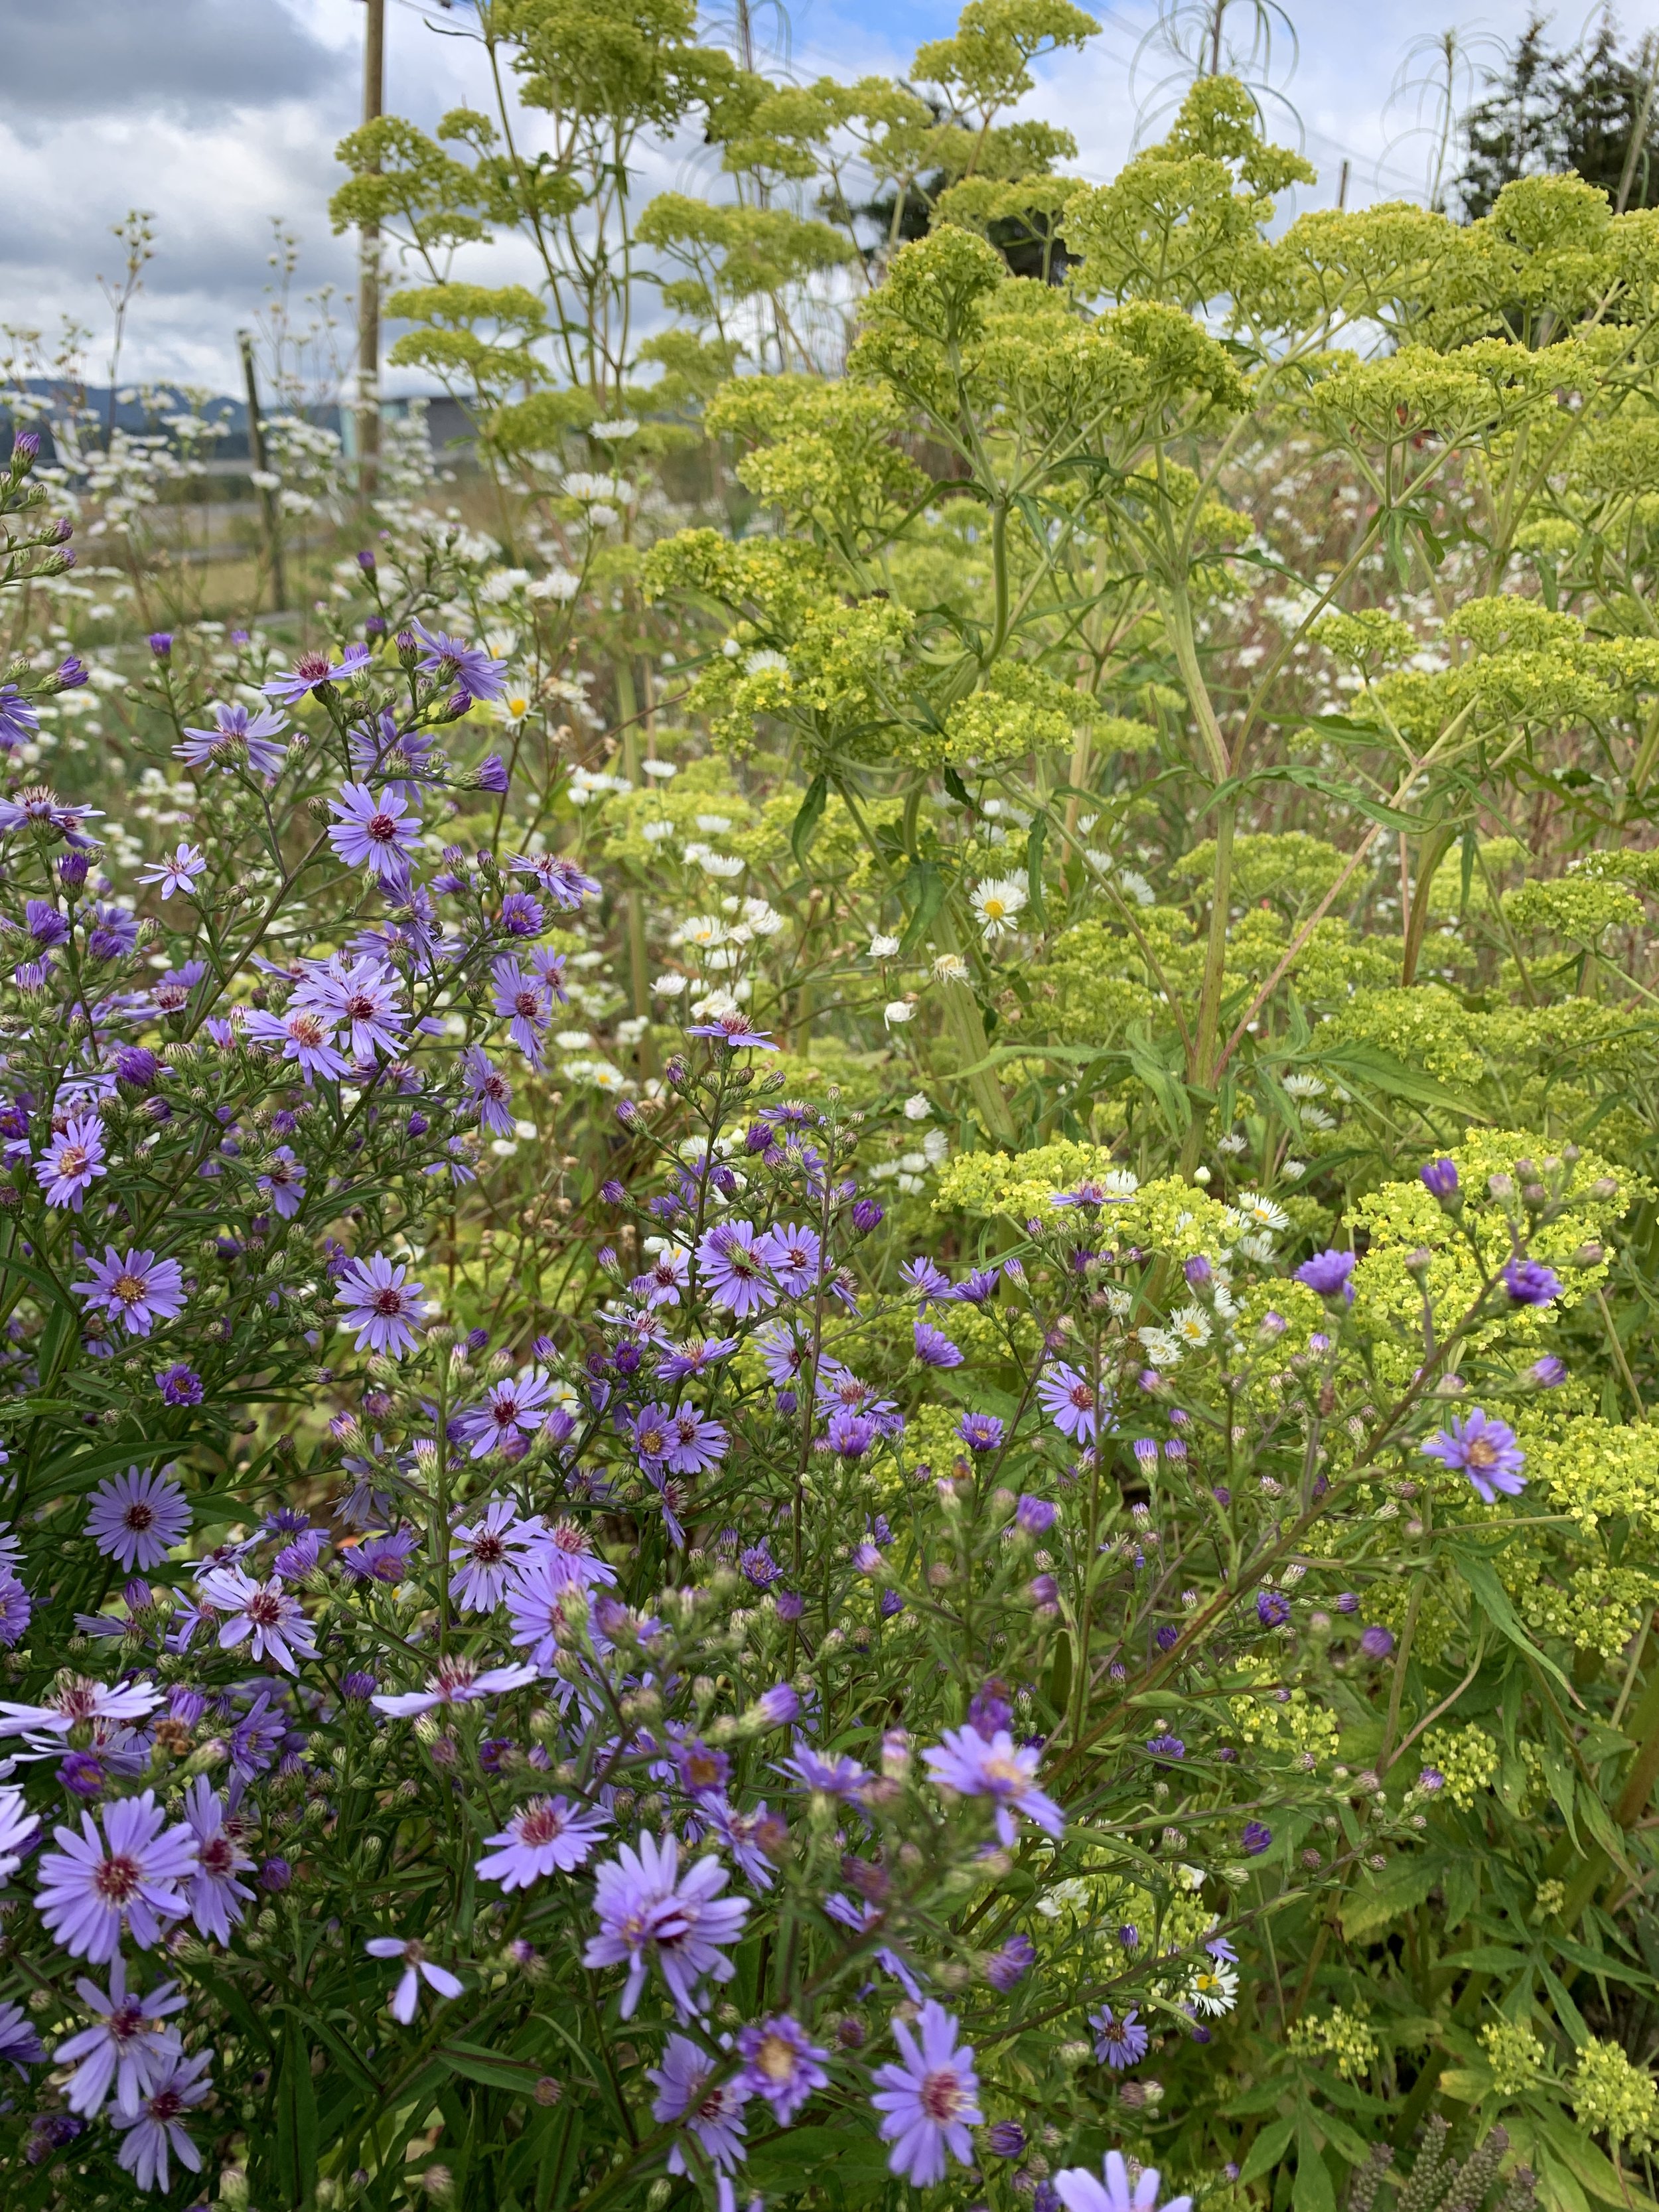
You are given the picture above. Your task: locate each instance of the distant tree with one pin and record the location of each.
(1590, 109)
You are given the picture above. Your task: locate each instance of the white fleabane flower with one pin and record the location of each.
(1190, 1327)
(669, 987)
(1214, 1988)
(1159, 1346)
(1258, 1247)
(713, 824)
(1233, 1144)
(883, 948)
(765, 660)
(703, 929)
(764, 920)
(1304, 1086)
(625, 427)
(917, 1107)
(996, 900)
(558, 584)
(950, 967)
(655, 832)
(1261, 1212)
(900, 1010)
(723, 865)
(1293, 1170)
(662, 771)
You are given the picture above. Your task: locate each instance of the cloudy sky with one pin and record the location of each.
(217, 116)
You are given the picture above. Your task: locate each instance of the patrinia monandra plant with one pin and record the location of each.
(1029, 1565)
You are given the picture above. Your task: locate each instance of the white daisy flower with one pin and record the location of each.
(917, 1107)
(1261, 1212)
(1304, 1086)
(1190, 1327)
(883, 948)
(950, 967)
(1214, 1988)
(996, 901)
(900, 1010)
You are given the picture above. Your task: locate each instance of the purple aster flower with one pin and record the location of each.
(264, 1611)
(1036, 1515)
(256, 1738)
(1257, 1839)
(1431, 1779)
(1327, 1273)
(934, 1348)
(754, 1838)
(382, 1559)
(161, 644)
(468, 667)
(135, 1289)
(561, 880)
(651, 1915)
(1439, 1179)
(1529, 1283)
(1548, 1372)
(157, 2131)
(115, 933)
(981, 1433)
(515, 1406)
(537, 1599)
(567, 1545)
(19, 723)
(929, 2100)
(364, 995)
(237, 736)
(44, 923)
(782, 2064)
(734, 1264)
(778, 1706)
(384, 1308)
(276, 1875)
(137, 1518)
(695, 1444)
(545, 1836)
(18, 2041)
(96, 1886)
(486, 1554)
(71, 672)
(867, 1215)
(216, 1897)
(1080, 2191)
(417, 1968)
(283, 1183)
(965, 1762)
(177, 874)
(1071, 1402)
(311, 669)
(1167, 1747)
(369, 833)
(526, 1002)
(304, 1036)
(1007, 1968)
(735, 1032)
(1005, 2139)
(925, 1281)
(16, 1610)
(1484, 1450)
(1273, 1608)
(794, 1256)
(488, 1092)
(126, 2051)
(850, 1435)
(179, 1385)
(72, 1161)
(975, 1288)
(1376, 1643)
(714, 2115)
(836, 1776)
(1119, 2043)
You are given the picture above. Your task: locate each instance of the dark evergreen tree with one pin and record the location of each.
(1590, 109)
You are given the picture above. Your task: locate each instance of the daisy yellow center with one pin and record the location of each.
(130, 1289)
(775, 2057)
(1480, 1451)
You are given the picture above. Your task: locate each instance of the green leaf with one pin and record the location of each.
(474, 2063)
(1367, 1911)
(296, 2118)
(1170, 1095)
(1312, 2191)
(957, 789)
(1033, 844)
(1266, 2150)
(1366, 1064)
(790, 2162)
(1489, 1596)
(808, 816)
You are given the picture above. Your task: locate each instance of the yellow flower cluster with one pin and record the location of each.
(1514, 2055)
(1340, 2034)
(1468, 1758)
(1613, 2098)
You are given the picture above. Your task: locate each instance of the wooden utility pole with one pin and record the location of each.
(368, 281)
(256, 455)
